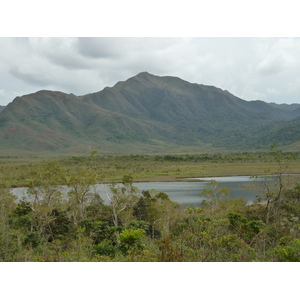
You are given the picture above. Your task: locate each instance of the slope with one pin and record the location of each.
(144, 113)
(195, 112)
(49, 120)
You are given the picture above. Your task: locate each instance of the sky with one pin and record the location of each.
(248, 48)
(251, 68)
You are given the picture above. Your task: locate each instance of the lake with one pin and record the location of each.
(187, 193)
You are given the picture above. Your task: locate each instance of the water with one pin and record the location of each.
(189, 192)
(186, 193)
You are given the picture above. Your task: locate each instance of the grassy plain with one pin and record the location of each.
(151, 167)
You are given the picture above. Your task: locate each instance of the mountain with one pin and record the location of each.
(145, 113)
(2, 107)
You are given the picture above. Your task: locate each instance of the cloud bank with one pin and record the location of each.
(250, 68)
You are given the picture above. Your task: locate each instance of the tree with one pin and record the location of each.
(7, 204)
(157, 209)
(163, 213)
(131, 241)
(122, 201)
(213, 196)
(45, 193)
(168, 253)
(141, 210)
(291, 201)
(80, 194)
(46, 184)
(274, 190)
(288, 250)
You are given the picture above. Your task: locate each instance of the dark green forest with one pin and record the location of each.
(147, 226)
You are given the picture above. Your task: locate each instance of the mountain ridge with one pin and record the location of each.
(141, 114)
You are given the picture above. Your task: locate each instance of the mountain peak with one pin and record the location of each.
(143, 74)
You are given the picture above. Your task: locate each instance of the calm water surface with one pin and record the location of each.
(187, 193)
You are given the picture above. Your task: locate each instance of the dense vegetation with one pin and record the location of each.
(146, 225)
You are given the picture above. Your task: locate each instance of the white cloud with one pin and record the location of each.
(293, 87)
(278, 55)
(250, 68)
(272, 91)
(271, 65)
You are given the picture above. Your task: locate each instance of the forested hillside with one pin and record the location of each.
(143, 114)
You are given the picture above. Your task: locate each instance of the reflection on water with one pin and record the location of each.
(189, 192)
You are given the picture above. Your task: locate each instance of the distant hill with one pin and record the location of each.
(283, 133)
(143, 114)
(288, 107)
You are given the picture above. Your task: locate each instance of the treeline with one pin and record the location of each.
(203, 157)
(134, 225)
(229, 157)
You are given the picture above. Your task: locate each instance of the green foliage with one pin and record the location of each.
(236, 220)
(61, 225)
(22, 209)
(147, 225)
(233, 248)
(157, 210)
(97, 231)
(138, 225)
(254, 227)
(142, 208)
(287, 251)
(32, 240)
(244, 228)
(104, 249)
(131, 241)
(19, 217)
